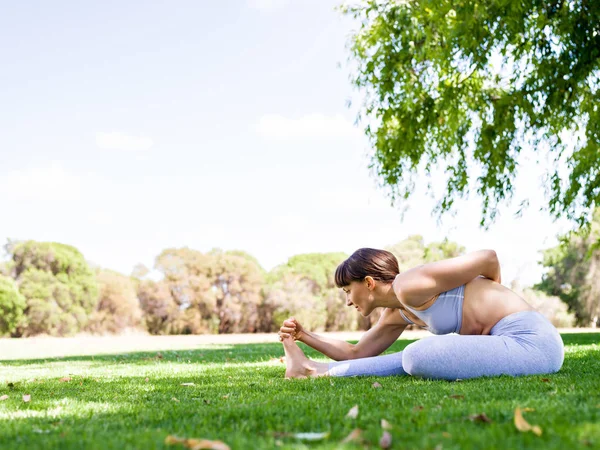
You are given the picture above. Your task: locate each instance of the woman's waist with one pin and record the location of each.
(487, 302)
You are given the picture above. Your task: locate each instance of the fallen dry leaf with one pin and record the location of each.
(27, 398)
(225, 396)
(386, 440)
(188, 384)
(311, 436)
(353, 413)
(376, 385)
(546, 380)
(65, 379)
(385, 425)
(456, 396)
(4, 397)
(418, 408)
(480, 418)
(523, 425)
(354, 436)
(197, 444)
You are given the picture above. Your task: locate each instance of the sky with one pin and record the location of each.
(130, 127)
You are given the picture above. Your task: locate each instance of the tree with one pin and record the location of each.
(12, 305)
(118, 307)
(469, 85)
(188, 279)
(318, 268)
(237, 281)
(58, 285)
(573, 272)
(412, 251)
(162, 315)
(217, 291)
(305, 288)
(553, 308)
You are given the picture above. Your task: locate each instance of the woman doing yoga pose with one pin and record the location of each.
(497, 331)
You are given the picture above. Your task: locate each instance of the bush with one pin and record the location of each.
(553, 308)
(118, 307)
(58, 285)
(12, 306)
(161, 313)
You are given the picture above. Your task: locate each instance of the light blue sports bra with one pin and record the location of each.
(445, 315)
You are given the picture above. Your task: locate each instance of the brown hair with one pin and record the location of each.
(379, 264)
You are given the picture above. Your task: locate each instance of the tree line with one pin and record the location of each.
(49, 288)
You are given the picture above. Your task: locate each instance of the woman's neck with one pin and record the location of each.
(387, 297)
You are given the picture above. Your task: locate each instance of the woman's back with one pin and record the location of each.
(485, 303)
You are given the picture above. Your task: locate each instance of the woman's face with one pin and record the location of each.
(359, 296)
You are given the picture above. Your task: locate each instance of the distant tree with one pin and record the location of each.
(318, 268)
(294, 295)
(118, 307)
(161, 313)
(12, 305)
(188, 277)
(323, 305)
(469, 85)
(237, 281)
(573, 272)
(217, 291)
(140, 271)
(412, 251)
(553, 308)
(58, 285)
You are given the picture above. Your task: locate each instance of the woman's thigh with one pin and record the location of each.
(454, 356)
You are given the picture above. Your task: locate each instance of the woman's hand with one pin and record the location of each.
(290, 328)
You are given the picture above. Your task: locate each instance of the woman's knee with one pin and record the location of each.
(414, 359)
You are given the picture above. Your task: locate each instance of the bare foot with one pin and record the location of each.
(297, 364)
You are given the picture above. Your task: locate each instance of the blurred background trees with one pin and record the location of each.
(49, 289)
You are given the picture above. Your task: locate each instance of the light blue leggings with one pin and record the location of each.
(523, 343)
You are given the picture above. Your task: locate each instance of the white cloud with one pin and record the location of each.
(267, 5)
(122, 141)
(52, 183)
(315, 125)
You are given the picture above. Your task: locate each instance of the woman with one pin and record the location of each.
(498, 332)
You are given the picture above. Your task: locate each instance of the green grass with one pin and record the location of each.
(241, 398)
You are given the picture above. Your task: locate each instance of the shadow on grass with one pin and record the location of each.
(236, 353)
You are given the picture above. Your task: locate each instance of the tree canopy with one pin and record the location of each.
(468, 86)
(12, 305)
(58, 285)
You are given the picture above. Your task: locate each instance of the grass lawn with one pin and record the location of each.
(239, 396)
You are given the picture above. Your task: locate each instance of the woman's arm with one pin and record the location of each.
(416, 286)
(379, 338)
